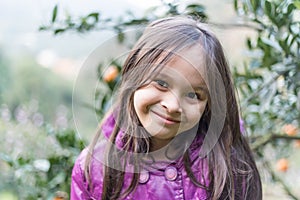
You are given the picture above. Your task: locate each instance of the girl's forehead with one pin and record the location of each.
(188, 64)
(193, 55)
(191, 60)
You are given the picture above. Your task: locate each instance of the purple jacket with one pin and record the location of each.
(168, 181)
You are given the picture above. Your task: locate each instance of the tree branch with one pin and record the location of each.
(276, 178)
(263, 140)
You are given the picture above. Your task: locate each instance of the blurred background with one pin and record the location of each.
(60, 63)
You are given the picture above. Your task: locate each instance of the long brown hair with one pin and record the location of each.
(232, 170)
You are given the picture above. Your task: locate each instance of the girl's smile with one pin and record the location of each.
(166, 119)
(174, 100)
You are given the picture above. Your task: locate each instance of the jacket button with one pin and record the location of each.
(171, 173)
(144, 177)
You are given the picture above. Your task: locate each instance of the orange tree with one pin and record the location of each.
(268, 83)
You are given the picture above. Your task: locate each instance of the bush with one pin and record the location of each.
(37, 161)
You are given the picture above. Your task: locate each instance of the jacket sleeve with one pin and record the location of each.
(79, 186)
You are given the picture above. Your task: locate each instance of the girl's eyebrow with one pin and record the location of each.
(163, 75)
(196, 87)
(202, 88)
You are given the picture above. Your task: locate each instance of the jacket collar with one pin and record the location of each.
(194, 147)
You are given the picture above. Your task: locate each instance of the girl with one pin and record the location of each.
(174, 132)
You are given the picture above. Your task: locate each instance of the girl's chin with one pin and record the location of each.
(165, 136)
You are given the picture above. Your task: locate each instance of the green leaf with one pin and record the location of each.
(284, 45)
(60, 30)
(54, 13)
(272, 43)
(136, 22)
(172, 9)
(43, 28)
(196, 10)
(254, 5)
(290, 9)
(94, 15)
(249, 45)
(121, 37)
(297, 4)
(8, 159)
(268, 8)
(197, 7)
(235, 3)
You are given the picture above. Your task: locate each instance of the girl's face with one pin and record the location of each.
(174, 100)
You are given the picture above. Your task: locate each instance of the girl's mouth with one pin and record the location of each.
(166, 119)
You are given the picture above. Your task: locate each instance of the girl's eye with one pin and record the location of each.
(193, 95)
(162, 83)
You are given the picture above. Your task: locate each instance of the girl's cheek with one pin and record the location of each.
(145, 97)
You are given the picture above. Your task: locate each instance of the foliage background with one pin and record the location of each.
(39, 141)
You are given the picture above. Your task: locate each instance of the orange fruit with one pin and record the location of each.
(110, 74)
(60, 195)
(297, 143)
(290, 129)
(282, 165)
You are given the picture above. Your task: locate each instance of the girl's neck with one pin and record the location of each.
(163, 150)
(157, 144)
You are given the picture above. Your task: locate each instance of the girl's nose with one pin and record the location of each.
(171, 103)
